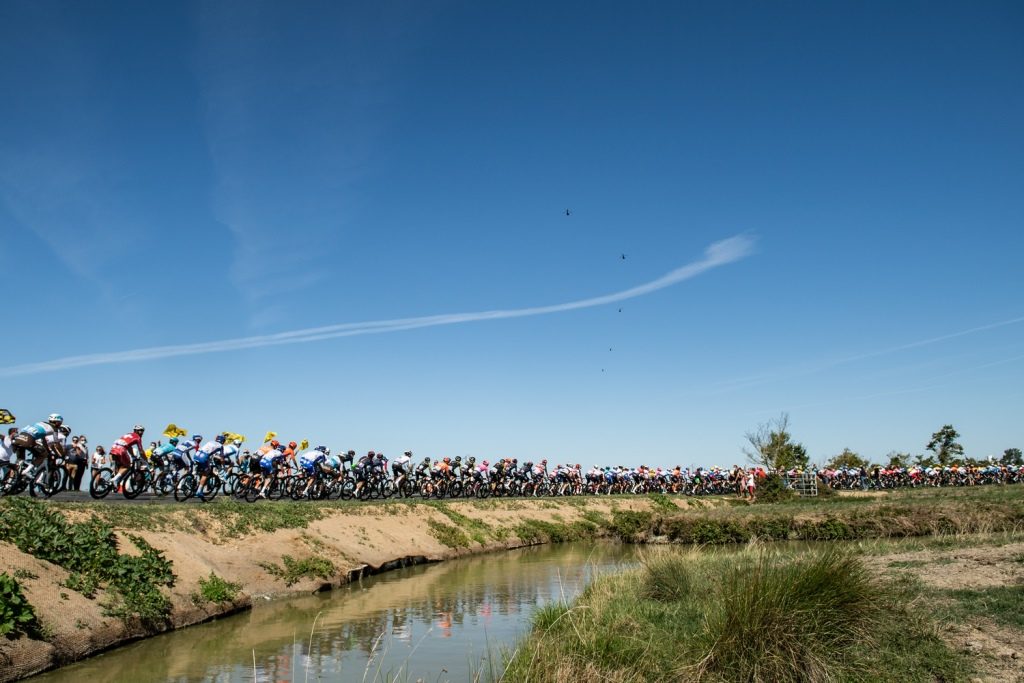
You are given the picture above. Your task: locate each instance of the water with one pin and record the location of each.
(433, 622)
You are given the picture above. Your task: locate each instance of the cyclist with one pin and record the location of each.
(310, 462)
(269, 463)
(232, 453)
(347, 458)
(161, 455)
(399, 468)
(207, 457)
(33, 439)
(183, 453)
(124, 449)
(363, 469)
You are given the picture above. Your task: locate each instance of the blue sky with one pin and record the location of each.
(182, 173)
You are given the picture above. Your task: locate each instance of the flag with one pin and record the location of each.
(269, 436)
(174, 430)
(304, 445)
(231, 436)
(6, 417)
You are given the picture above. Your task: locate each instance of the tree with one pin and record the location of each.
(944, 444)
(1012, 456)
(771, 446)
(846, 459)
(898, 461)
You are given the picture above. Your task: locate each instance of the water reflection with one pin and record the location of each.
(434, 622)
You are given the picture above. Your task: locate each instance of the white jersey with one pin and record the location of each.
(6, 449)
(403, 459)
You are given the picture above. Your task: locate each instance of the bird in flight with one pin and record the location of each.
(623, 257)
(620, 310)
(568, 212)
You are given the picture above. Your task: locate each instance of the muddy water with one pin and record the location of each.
(436, 622)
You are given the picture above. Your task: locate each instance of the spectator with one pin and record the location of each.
(99, 459)
(79, 458)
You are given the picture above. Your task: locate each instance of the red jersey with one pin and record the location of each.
(123, 445)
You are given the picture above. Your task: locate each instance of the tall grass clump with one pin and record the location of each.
(794, 620)
(750, 617)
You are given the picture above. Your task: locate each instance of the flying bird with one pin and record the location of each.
(620, 310)
(623, 257)
(568, 212)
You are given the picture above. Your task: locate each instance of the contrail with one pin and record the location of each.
(717, 254)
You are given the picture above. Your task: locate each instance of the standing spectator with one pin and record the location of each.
(78, 458)
(6, 453)
(99, 459)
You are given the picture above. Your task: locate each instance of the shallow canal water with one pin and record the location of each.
(434, 622)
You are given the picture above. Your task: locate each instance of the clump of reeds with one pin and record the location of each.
(758, 615)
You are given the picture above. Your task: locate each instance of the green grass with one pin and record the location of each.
(1002, 604)
(752, 616)
(448, 535)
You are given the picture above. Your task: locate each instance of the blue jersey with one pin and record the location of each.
(40, 430)
(162, 451)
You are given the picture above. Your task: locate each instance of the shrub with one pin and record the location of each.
(294, 570)
(215, 589)
(448, 535)
(628, 524)
(16, 614)
(773, 489)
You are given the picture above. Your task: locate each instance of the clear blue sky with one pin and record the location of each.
(179, 173)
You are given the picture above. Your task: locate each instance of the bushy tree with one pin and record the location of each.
(944, 444)
(772, 446)
(1012, 456)
(846, 459)
(898, 460)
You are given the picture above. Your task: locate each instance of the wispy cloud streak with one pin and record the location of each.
(718, 254)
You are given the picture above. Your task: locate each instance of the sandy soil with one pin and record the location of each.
(996, 650)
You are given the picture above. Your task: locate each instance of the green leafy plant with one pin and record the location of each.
(216, 589)
(16, 614)
(293, 570)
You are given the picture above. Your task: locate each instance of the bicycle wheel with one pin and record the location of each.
(100, 484)
(134, 484)
(212, 487)
(164, 484)
(46, 482)
(186, 488)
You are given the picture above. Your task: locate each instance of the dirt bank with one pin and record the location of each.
(344, 542)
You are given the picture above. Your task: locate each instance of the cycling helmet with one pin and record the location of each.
(543, 462)
(197, 437)
(458, 458)
(220, 438)
(486, 463)
(139, 429)
(173, 441)
(326, 451)
(371, 454)
(447, 460)
(55, 419)
(409, 453)
(64, 429)
(472, 458)
(292, 444)
(426, 459)
(236, 442)
(351, 453)
(515, 461)
(275, 443)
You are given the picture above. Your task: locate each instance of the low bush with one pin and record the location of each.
(292, 570)
(16, 614)
(215, 589)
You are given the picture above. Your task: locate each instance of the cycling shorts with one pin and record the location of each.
(120, 457)
(309, 468)
(267, 466)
